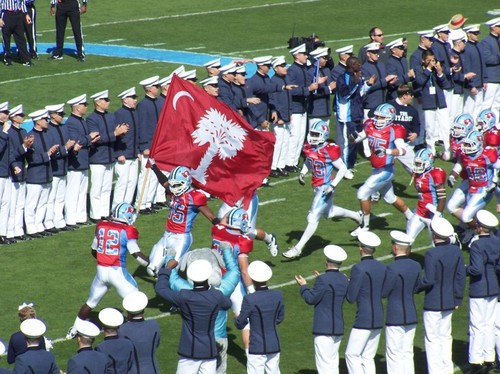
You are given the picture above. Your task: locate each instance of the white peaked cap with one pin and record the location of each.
(78, 100)
(347, 49)
(442, 227)
(100, 95)
(127, 93)
(299, 49)
(212, 63)
(39, 114)
(111, 317)
(56, 108)
(17, 110)
(33, 328)
(86, 329)
(150, 82)
(209, 80)
(199, 270)
(486, 219)
(369, 239)
(399, 237)
(259, 271)
(135, 302)
(335, 253)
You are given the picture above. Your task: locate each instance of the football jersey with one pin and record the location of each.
(492, 138)
(319, 159)
(240, 244)
(479, 167)
(112, 238)
(382, 138)
(425, 184)
(455, 146)
(183, 211)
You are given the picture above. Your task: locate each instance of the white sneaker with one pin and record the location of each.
(348, 175)
(71, 333)
(273, 246)
(356, 232)
(292, 253)
(359, 219)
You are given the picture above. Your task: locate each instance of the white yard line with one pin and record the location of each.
(271, 201)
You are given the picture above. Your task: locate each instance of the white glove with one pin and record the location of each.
(451, 181)
(301, 179)
(151, 269)
(328, 191)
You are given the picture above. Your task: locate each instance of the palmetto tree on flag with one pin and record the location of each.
(225, 139)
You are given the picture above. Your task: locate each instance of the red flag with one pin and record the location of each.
(227, 157)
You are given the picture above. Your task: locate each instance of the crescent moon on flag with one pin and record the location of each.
(178, 95)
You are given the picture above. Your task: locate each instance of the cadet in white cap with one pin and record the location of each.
(189, 75)
(19, 145)
(120, 350)
(397, 65)
(5, 184)
(102, 155)
(490, 49)
(365, 289)
(211, 85)
(78, 162)
(297, 77)
(54, 216)
(226, 80)
(444, 284)
(259, 86)
(126, 149)
(344, 53)
(264, 310)
(199, 307)
(319, 107)
(35, 359)
(88, 359)
(212, 67)
(144, 334)
(39, 174)
(474, 60)
(483, 292)
(328, 323)
(425, 41)
(148, 111)
(403, 275)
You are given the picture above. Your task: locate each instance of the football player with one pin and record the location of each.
(113, 239)
(430, 185)
(185, 204)
(321, 157)
(232, 230)
(386, 141)
(482, 165)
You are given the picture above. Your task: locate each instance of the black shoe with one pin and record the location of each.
(274, 174)
(35, 236)
(5, 241)
(82, 224)
(46, 233)
(289, 168)
(56, 57)
(34, 56)
(7, 63)
(70, 227)
(283, 172)
(146, 211)
(93, 220)
(477, 368)
(80, 59)
(22, 237)
(490, 365)
(53, 230)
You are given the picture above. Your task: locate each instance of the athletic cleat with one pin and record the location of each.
(348, 174)
(71, 333)
(292, 252)
(359, 219)
(273, 246)
(356, 232)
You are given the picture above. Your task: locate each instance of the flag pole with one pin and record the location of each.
(143, 187)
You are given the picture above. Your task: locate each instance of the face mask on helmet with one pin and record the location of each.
(462, 125)
(384, 115)
(486, 120)
(125, 213)
(237, 218)
(318, 133)
(472, 143)
(423, 161)
(179, 180)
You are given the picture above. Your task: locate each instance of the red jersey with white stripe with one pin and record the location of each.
(320, 160)
(425, 184)
(492, 138)
(183, 211)
(382, 138)
(455, 146)
(240, 244)
(112, 238)
(479, 168)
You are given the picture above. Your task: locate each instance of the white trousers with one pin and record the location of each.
(149, 189)
(360, 351)
(263, 364)
(54, 217)
(497, 328)
(416, 224)
(126, 182)
(492, 98)
(282, 133)
(438, 341)
(456, 106)
(75, 202)
(5, 192)
(37, 196)
(326, 353)
(101, 182)
(437, 127)
(473, 104)
(191, 366)
(15, 226)
(399, 349)
(481, 325)
(298, 126)
(107, 276)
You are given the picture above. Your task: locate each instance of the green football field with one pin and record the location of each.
(55, 272)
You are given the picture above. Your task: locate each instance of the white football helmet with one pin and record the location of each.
(486, 120)
(424, 160)
(237, 218)
(179, 180)
(472, 143)
(384, 115)
(318, 133)
(462, 125)
(124, 212)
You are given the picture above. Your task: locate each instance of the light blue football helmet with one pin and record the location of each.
(318, 133)
(124, 212)
(387, 114)
(462, 125)
(486, 120)
(179, 180)
(423, 161)
(472, 143)
(237, 218)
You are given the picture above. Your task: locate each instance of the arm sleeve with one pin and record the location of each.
(354, 285)
(313, 296)
(232, 276)
(162, 178)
